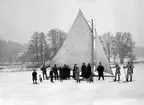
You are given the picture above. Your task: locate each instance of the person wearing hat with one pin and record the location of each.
(100, 70)
(83, 69)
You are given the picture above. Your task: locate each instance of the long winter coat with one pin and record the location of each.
(89, 72)
(100, 70)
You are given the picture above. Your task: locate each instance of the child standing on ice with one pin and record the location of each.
(34, 77)
(40, 78)
(90, 78)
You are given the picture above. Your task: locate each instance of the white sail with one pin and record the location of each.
(100, 55)
(76, 48)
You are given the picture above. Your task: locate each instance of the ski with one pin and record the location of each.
(125, 81)
(128, 81)
(120, 81)
(115, 81)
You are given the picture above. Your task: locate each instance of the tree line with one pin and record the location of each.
(119, 46)
(9, 50)
(43, 47)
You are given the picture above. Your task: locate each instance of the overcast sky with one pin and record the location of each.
(20, 18)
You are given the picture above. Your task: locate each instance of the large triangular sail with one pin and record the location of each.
(76, 48)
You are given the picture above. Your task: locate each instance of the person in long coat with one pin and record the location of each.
(61, 73)
(64, 72)
(55, 71)
(51, 75)
(89, 72)
(100, 70)
(74, 70)
(68, 68)
(83, 69)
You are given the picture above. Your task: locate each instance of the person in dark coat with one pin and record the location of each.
(74, 70)
(61, 73)
(66, 71)
(89, 72)
(34, 77)
(51, 75)
(55, 70)
(83, 69)
(100, 70)
(68, 68)
(44, 72)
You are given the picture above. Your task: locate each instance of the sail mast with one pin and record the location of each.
(92, 63)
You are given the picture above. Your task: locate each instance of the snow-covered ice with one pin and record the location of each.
(16, 88)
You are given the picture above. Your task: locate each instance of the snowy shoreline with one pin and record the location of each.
(17, 70)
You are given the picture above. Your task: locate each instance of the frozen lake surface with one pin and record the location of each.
(16, 88)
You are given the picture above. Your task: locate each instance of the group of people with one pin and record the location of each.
(129, 73)
(61, 73)
(64, 72)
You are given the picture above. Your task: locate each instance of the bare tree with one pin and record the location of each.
(131, 55)
(106, 40)
(124, 45)
(33, 46)
(116, 44)
(57, 37)
(120, 45)
(42, 46)
(114, 50)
